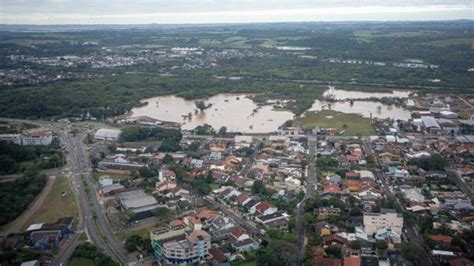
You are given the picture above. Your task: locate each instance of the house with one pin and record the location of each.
(264, 208)
(243, 198)
(352, 261)
(218, 257)
(330, 188)
(215, 156)
(461, 261)
(292, 184)
(238, 234)
(352, 185)
(165, 186)
(245, 245)
(325, 212)
(335, 239)
(386, 234)
(430, 124)
(442, 241)
(327, 261)
(277, 220)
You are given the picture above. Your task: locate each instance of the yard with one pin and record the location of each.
(353, 124)
(60, 202)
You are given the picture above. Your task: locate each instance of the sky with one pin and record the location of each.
(227, 11)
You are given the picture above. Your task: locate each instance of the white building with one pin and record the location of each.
(107, 134)
(36, 136)
(387, 218)
(292, 184)
(13, 138)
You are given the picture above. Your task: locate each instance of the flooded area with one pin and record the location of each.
(340, 95)
(239, 113)
(364, 108)
(234, 111)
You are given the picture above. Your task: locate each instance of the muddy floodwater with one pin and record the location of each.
(240, 114)
(364, 108)
(347, 95)
(234, 111)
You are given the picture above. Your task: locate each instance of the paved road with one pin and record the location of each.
(238, 218)
(460, 182)
(93, 218)
(310, 193)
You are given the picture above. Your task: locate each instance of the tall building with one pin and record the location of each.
(180, 246)
(387, 218)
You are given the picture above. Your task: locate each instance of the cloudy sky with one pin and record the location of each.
(227, 11)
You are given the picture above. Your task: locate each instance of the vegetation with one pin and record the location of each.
(170, 137)
(21, 192)
(87, 252)
(60, 202)
(434, 162)
(137, 243)
(351, 124)
(15, 158)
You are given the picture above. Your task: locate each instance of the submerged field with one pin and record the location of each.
(352, 124)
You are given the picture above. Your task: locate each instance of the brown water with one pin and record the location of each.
(365, 108)
(240, 114)
(234, 111)
(347, 95)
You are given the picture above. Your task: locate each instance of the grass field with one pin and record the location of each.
(81, 262)
(353, 124)
(56, 205)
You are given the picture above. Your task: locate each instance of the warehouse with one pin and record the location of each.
(107, 134)
(137, 202)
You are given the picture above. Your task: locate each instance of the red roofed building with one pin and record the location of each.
(331, 188)
(351, 261)
(264, 208)
(238, 234)
(353, 175)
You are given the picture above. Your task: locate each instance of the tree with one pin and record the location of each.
(259, 188)
(333, 251)
(381, 244)
(222, 131)
(278, 253)
(132, 242)
(458, 242)
(167, 159)
(355, 245)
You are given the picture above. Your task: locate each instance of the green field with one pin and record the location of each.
(60, 202)
(81, 262)
(353, 124)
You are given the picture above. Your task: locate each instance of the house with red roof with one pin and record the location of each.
(264, 208)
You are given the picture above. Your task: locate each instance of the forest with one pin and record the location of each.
(21, 192)
(16, 159)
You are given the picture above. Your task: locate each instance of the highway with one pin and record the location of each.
(93, 220)
(410, 229)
